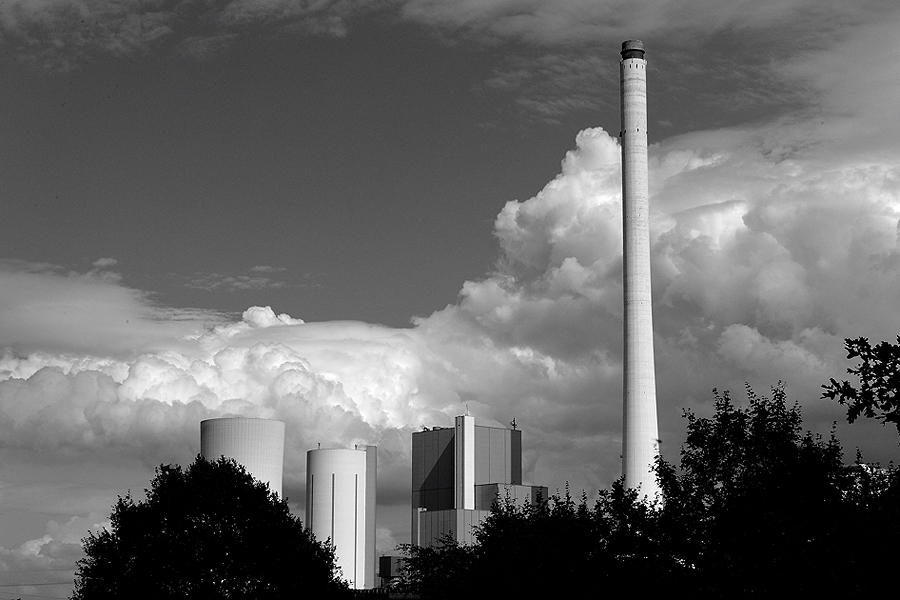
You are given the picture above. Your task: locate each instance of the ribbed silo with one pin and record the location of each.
(340, 505)
(257, 444)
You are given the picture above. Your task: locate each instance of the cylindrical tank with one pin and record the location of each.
(257, 444)
(340, 505)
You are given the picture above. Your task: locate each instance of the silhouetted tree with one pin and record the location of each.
(554, 547)
(756, 507)
(209, 531)
(535, 548)
(446, 570)
(560, 547)
(878, 372)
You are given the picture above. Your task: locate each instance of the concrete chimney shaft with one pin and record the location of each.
(640, 436)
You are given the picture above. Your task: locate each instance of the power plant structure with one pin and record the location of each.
(640, 435)
(257, 444)
(340, 506)
(457, 474)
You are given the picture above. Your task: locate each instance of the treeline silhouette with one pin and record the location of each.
(208, 531)
(756, 507)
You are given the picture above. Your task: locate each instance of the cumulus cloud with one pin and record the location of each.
(336, 383)
(770, 244)
(768, 249)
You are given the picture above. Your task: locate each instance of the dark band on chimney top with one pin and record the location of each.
(632, 49)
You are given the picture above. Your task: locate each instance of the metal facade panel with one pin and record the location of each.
(445, 459)
(517, 494)
(482, 454)
(418, 463)
(433, 470)
(459, 524)
(485, 495)
(464, 465)
(495, 456)
(515, 446)
(371, 503)
(499, 457)
(497, 466)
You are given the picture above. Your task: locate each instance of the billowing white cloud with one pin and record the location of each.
(764, 259)
(771, 243)
(768, 249)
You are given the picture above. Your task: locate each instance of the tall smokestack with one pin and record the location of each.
(640, 435)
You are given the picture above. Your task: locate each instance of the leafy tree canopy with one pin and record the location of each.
(756, 504)
(756, 507)
(878, 372)
(208, 531)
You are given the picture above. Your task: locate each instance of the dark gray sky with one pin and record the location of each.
(365, 170)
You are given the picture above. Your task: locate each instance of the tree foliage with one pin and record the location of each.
(878, 372)
(756, 507)
(555, 547)
(756, 503)
(441, 571)
(209, 531)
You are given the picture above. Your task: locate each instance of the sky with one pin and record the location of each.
(366, 217)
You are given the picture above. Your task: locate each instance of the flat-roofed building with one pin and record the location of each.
(457, 474)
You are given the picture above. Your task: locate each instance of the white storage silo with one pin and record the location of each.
(340, 505)
(257, 444)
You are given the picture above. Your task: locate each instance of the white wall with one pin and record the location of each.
(257, 444)
(340, 505)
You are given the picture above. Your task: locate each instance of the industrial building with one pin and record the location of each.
(457, 474)
(257, 444)
(340, 506)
